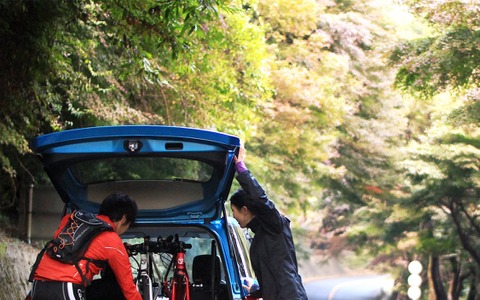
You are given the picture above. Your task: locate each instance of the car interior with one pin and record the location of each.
(206, 276)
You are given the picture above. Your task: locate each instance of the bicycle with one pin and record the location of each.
(176, 287)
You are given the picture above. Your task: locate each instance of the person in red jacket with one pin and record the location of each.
(56, 280)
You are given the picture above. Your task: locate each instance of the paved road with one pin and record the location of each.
(362, 287)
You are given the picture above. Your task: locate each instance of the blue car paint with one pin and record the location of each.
(110, 140)
(138, 131)
(218, 227)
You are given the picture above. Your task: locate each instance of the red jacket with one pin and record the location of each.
(107, 246)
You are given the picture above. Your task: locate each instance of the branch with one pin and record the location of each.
(464, 238)
(471, 220)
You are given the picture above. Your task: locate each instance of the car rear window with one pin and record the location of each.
(141, 168)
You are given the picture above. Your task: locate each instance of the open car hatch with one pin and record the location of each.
(173, 173)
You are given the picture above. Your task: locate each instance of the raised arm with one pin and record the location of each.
(258, 201)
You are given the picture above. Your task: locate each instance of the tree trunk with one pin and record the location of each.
(455, 284)
(435, 286)
(474, 291)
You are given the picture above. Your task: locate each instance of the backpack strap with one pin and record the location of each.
(99, 263)
(37, 261)
(85, 282)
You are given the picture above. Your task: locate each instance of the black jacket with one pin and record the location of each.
(272, 251)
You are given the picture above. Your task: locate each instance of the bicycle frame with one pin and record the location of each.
(144, 281)
(179, 283)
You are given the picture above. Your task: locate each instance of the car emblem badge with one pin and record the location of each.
(133, 145)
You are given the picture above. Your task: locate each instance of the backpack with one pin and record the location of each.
(73, 240)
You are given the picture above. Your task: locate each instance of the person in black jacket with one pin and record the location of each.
(272, 251)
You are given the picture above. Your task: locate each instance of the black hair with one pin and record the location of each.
(238, 198)
(118, 204)
(241, 198)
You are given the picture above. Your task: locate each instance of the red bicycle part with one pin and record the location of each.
(178, 288)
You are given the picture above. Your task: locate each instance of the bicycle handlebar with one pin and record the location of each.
(169, 245)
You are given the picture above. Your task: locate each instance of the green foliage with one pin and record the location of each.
(3, 248)
(84, 63)
(25, 32)
(466, 115)
(449, 58)
(222, 87)
(325, 78)
(442, 181)
(438, 244)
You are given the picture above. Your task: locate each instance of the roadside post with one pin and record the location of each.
(414, 280)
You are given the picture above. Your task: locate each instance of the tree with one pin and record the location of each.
(82, 63)
(325, 76)
(449, 58)
(443, 177)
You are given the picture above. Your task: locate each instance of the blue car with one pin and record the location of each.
(180, 178)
